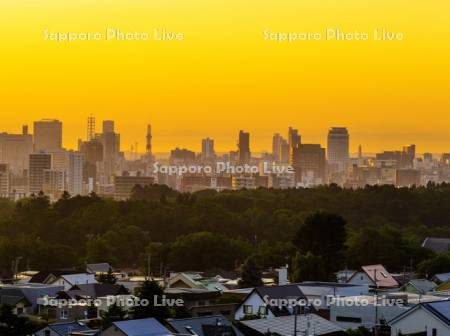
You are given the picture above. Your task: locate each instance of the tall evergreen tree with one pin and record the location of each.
(251, 274)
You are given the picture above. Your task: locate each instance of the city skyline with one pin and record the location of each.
(228, 143)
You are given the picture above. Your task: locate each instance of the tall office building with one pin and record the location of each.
(284, 152)
(15, 149)
(309, 163)
(244, 154)
(4, 180)
(276, 143)
(90, 128)
(338, 149)
(47, 135)
(294, 140)
(39, 162)
(111, 148)
(208, 152)
(74, 173)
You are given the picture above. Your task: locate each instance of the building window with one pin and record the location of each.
(64, 314)
(348, 319)
(434, 332)
(248, 309)
(19, 311)
(262, 311)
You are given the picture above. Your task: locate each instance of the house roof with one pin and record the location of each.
(64, 329)
(204, 326)
(96, 290)
(142, 327)
(79, 278)
(189, 294)
(445, 286)
(284, 325)
(31, 292)
(41, 276)
(442, 277)
(11, 300)
(379, 275)
(438, 245)
(98, 268)
(440, 309)
(422, 285)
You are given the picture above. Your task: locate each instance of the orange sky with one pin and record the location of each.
(224, 76)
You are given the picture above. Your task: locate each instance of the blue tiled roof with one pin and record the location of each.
(142, 327)
(64, 329)
(441, 309)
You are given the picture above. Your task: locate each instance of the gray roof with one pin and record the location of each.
(438, 245)
(204, 326)
(422, 285)
(31, 292)
(98, 268)
(284, 325)
(442, 277)
(64, 329)
(142, 327)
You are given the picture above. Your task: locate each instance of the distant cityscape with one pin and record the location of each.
(38, 162)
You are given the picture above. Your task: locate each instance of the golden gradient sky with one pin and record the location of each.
(224, 76)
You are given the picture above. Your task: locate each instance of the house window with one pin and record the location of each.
(348, 319)
(434, 332)
(19, 310)
(64, 314)
(248, 309)
(262, 311)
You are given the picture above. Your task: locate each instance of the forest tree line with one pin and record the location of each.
(211, 230)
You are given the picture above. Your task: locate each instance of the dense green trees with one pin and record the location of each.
(251, 275)
(223, 229)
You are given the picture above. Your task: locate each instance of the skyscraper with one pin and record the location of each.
(338, 149)
(74, 173)
(208, 152)
(47, 135)
(15, 149)
(309, 163)
(39, 162)
(244, 154)
(90, 128)
(111, 148)
(276, 142)
(294, 140)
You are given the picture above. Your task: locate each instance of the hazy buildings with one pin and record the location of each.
(39, 162)
(244, 154)
(74, 173)
(338, 149)
(92, 152)
(182, 156)
(123, 185)
(4, 180)
(111, 149)
(47, 135)
(208, 152)
(15, 149)
(294, 141)
(309, 163)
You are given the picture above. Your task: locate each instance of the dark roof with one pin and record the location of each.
(326, 284)
(99, 268)
(284, 325)
(438, 245)
(31, 292)
(422, 285)
(204, 326)
(191, 294)
(142, 327)
(42, 275)
(13, 300)
(64, 329)
(95, 290)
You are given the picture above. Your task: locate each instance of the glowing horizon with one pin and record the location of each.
(224, 76)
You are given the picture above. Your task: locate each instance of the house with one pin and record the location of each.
(427, 319)
(437, 245)
(419, 286)
(87, 301)
(24, 297)
(440, 278)
(307, 324)
(190, 280)
(67, 329)
(45, 276)
(141, 327)
(375, 276)
(319, 293)
(269, 302)
(202, 302)
(363, 310)
(216, 325)
(70, 280)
